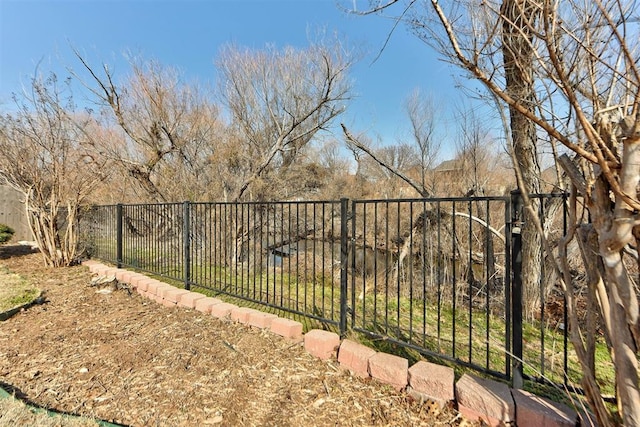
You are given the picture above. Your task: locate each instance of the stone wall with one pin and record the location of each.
(12, 213)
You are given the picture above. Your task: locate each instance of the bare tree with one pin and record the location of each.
(358, 145)
(474, 148)
(396, 160)
(422, 114)
(518, 23)
(167, 128)
(279, 99)
(329, 156)
(47, 155)
(571, 70)
(398, 157)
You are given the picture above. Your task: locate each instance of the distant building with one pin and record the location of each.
(450, 167)
(495, 175)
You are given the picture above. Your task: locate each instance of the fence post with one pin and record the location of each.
(516, 287)
(186, 243)
(344, 261)
(119, 257)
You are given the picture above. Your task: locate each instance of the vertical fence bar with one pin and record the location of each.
(440, 278)
(214, 249)
(333, 267)
(375, 264)
(470, 279)
(186, 243)
(314, 269)
(489, 273)
(274, 259)
(344, 262)
(423, 249)
(352, 260)
(363, 292)
(410, 268)
(297, 302)
(398, 272)
(516, 288)
(119, 235)
(295, 257)
(386, 266)
(323, 257)
(236, 248)
(565, 318)
(507, 287)
(541, 293)
(454, 284)
(287, 253)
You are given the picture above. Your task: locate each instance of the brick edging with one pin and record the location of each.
(476, 398)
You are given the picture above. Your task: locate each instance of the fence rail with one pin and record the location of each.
(440, 277)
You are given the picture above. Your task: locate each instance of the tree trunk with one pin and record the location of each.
(613, 233)
(616, 291)
(518, 63)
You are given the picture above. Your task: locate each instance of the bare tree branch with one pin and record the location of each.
(351, 140)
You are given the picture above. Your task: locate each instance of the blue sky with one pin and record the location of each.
(189, 34)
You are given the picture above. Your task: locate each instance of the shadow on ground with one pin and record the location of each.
(15, 250)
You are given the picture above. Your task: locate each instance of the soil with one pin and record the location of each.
(121, 358)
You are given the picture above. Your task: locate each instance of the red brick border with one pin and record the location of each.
(190, 299)
(322, 344)
(389, 369)
(355, 357)
(204, 305)
(287, 328)
(223, 310)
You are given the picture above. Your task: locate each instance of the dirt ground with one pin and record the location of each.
(121, 358)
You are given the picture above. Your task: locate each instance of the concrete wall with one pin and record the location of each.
(12, 213)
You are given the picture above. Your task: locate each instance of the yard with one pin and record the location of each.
(121, 358)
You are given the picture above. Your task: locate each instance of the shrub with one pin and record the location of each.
(6, 233)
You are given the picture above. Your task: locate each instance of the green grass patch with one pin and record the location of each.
(15, 290)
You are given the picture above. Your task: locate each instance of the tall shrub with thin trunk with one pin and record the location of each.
(47, 156)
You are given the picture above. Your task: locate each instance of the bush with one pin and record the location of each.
(6, 233)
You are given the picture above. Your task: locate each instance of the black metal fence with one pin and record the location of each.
(432, 276)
